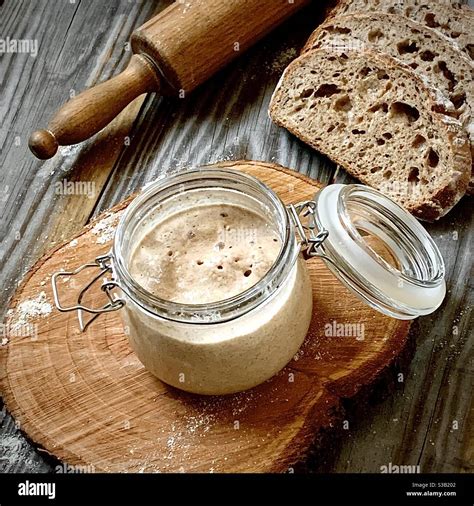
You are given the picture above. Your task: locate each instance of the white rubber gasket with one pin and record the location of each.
(423, 299)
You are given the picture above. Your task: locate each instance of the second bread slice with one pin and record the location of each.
(454, 20)
(427, 51)
(381, 122)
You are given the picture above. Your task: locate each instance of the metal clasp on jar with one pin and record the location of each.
(310, 239)
(115, 302)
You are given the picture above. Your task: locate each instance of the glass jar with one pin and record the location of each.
(370, 243)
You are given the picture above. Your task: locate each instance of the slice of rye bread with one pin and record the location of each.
(375, 117)
(425, 50)
(454, 20)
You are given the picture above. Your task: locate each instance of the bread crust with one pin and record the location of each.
(447, 196)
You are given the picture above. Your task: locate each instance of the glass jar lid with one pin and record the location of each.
(379, 251)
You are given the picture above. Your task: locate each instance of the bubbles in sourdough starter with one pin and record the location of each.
(204, 254)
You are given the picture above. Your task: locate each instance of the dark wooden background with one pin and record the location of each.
(425, 420)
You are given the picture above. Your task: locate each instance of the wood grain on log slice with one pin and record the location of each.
(86, 398)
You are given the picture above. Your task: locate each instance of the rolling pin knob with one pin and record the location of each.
(43, 144)
(93, 109)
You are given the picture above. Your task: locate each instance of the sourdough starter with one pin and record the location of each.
(206, 254)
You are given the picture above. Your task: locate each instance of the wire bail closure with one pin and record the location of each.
(115, 303)
(310, 241)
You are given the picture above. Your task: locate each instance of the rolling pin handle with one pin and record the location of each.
(43, 144)
(93, 109)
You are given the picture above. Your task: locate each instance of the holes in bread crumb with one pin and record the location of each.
(428, 55)
(432, 158)
(330, 129)
(404, 112)
(458, 99)
(199, 262)
(405, 46)
(356, 131)
(350, 145)
(454, 35)
(343, 104)
(470, 50)
(380, 142)
(430, 20)
(387, 135)
(414, 65)
(375, 35)
(364, 71)
(447, 74)
(379, 107)
(247, 273)
(418, 141)
(326, 90)
(441, 107)
(307, 93)
(414, 175)
(387, 174)
(373, 170)
(339, 29)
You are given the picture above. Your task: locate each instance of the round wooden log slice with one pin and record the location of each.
(86, 398)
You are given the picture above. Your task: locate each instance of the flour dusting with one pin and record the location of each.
(37, 307)
(105, 229)
(282, 60)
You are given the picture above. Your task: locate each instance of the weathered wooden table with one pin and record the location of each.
(421, 414)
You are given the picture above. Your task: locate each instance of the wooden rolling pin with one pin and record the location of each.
(174, 52)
